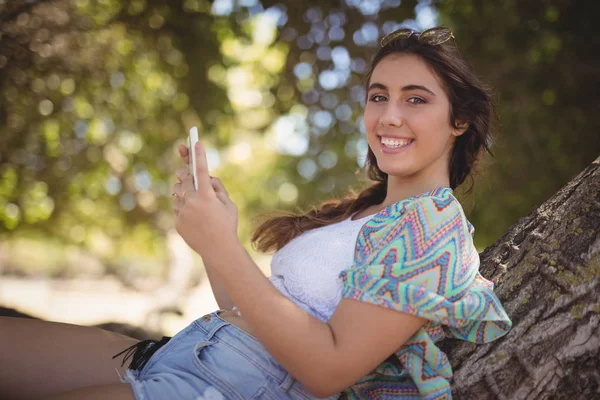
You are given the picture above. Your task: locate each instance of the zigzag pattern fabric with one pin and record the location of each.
(417, 256)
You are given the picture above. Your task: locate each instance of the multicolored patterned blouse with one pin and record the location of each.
(417, 256)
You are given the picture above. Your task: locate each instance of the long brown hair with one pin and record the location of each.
(470, 101)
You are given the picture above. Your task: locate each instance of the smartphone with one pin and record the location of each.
(193, 139)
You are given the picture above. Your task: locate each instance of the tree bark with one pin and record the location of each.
(546, 272)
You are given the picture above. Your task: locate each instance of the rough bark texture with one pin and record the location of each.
(546, 272)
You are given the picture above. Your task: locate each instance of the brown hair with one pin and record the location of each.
(470, 101)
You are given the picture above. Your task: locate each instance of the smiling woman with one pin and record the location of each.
(361, 289)
(427, 120)
(405, 115)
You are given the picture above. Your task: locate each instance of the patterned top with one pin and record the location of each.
(417, 256)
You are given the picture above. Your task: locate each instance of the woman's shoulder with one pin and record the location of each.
(426, 215)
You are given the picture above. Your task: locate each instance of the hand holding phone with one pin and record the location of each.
(193, 139)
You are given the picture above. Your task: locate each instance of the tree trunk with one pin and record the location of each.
(546, 273)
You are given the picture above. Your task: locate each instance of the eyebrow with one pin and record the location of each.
(404, 88)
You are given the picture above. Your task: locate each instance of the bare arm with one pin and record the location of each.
(325, 358)
(221, 296)
(223, 299)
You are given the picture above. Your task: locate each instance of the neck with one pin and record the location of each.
(400, 191)
(434, 176)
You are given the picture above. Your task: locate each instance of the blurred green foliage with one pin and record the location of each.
(95, 96)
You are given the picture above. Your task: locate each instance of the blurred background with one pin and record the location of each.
(96, 95)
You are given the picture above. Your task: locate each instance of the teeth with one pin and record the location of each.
(395, 142)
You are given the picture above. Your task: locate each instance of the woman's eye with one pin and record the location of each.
(377, 98)
(416, 100)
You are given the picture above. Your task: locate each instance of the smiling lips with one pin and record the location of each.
(395, 143)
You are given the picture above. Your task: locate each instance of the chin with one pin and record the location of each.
(396, 172)
(394, 169)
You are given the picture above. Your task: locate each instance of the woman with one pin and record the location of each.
(361, 289)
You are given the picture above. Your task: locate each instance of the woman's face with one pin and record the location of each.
(407, 119)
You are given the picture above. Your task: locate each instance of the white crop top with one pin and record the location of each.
(306, 269)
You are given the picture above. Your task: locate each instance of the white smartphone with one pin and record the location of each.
(193, 139)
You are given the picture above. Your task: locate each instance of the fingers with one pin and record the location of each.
(220, 191)
(182, 173)
(185, 180)
(218, 186)
(177, 204)
(187, 184)
(179, 188)
(204, 181)
(184, 153)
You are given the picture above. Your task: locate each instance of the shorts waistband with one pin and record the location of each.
(211, 323)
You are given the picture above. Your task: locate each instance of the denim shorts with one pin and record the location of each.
(212, 359)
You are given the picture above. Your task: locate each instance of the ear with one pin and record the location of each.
(462, 127)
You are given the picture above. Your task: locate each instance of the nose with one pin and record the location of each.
(391, 116)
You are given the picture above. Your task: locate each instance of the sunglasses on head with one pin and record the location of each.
(433, 36)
